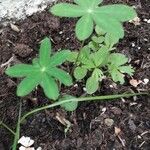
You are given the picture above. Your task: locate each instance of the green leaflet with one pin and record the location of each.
(100, 56)
(118, 11)
(67, 10)
(72, 56)
(45, 50)
(80, 73)
(84, 27)
(99, 31)
(91, 85)
(98, 40)
(110, 40)
(110, 25)
(28, 84)
(127, 69)
(117, 76)
(50, 87)
(61, 75)
(70, 106)
(118, 59)
(21, 70)
(59, 58)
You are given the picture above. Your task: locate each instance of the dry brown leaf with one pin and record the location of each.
(135, 82)
(135, 21)
(117, 131)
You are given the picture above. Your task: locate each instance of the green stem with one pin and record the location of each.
(5, 126)
(75, 63)
(82, 44)
(17, 134)
(79, 100)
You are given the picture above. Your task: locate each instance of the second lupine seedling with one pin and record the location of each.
(43, 71)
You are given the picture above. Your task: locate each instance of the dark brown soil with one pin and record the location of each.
(89, 130)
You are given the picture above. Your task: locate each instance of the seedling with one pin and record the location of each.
(109, 17)
(102, 38)
(43, 71)
(99, 62)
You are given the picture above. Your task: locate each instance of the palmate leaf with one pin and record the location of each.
(28, 84)
(42, 72)
(21, 70)
(116, 68)
(61, 75)
(108, 17)
(45, 51)
(50, 87)
(84, 27)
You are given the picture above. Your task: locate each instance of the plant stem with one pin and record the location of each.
(75, 63)
(5, 126)
(17, 134)
(82, 44)
(79, 99)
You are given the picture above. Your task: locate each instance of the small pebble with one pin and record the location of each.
(111, 86)
(145, 81)
(26, 141)
(139, 137)
(84, 89)
(76, 85)
(145, 20)
(133, 44)
(61, 32)
(39, 148)
(109, 122)
(148, 21)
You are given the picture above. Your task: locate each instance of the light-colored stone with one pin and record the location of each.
(19, 9)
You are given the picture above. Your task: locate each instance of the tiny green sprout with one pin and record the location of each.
(102, 38)
(43, 71)
(109, 17)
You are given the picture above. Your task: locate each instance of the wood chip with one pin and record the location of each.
(117, 131)
(14, 28)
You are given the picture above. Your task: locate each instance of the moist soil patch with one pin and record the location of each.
(94, 123)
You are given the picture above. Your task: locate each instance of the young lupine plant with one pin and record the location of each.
(43, 71)
(109, 18)
(99, 63)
